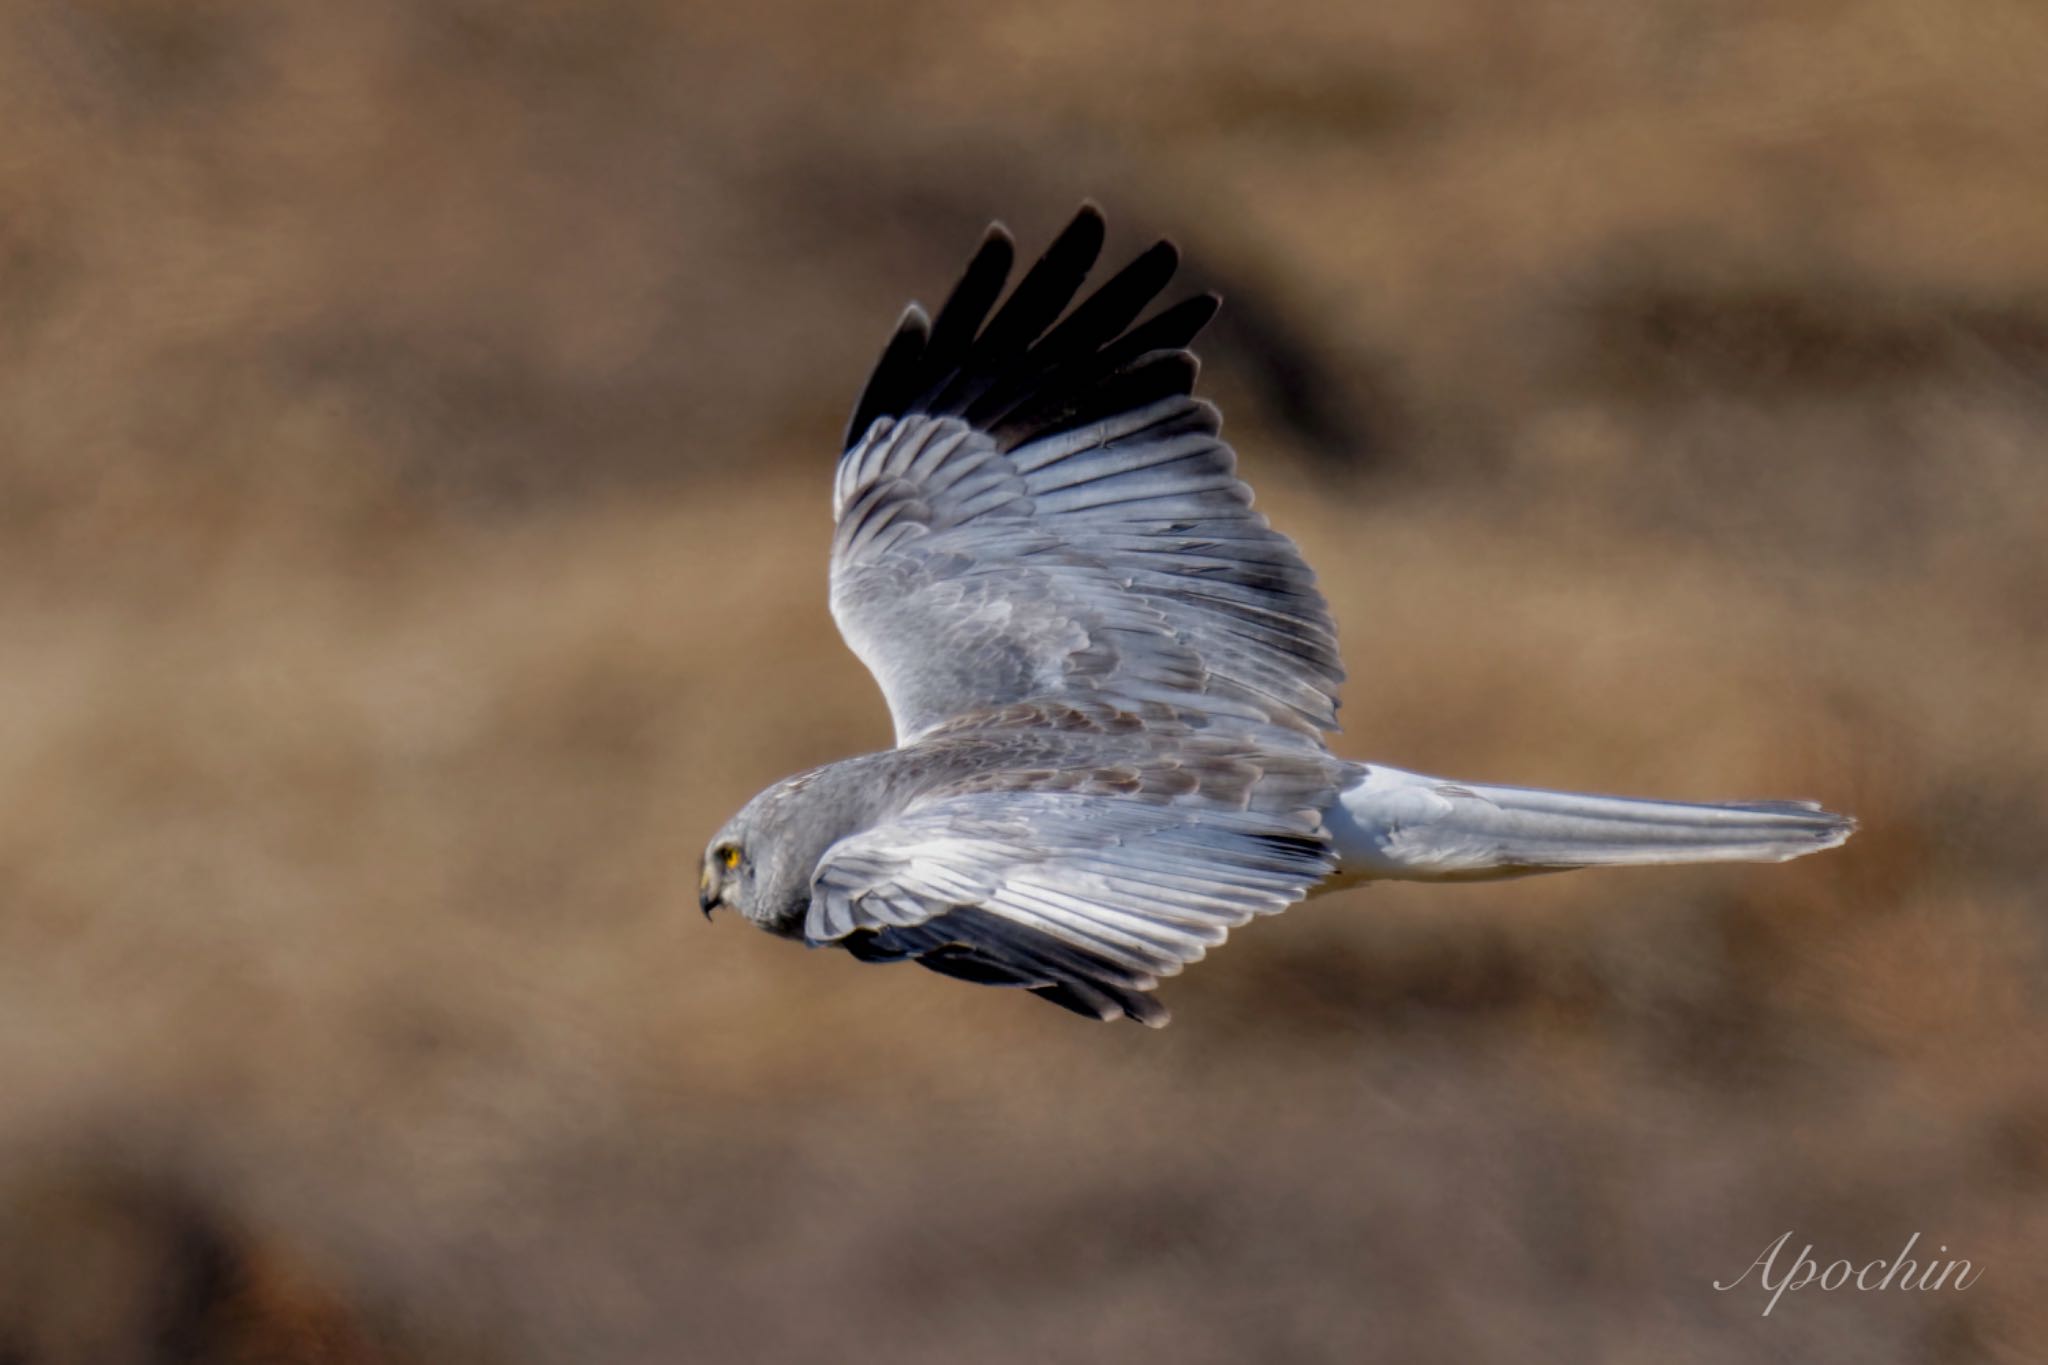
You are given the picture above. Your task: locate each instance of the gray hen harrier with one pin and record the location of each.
(1111, 680)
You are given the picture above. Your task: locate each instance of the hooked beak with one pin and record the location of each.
(707, 898)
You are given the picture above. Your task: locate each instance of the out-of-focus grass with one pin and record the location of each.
(414, 425)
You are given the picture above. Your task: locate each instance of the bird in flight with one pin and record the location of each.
(1111, 680)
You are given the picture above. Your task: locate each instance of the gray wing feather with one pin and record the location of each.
(1033, 506)
(1120, 562)
(1088, 900)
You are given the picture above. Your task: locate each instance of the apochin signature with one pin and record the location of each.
(1897, 1273)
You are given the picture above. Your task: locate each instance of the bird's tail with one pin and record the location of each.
(1404, 826)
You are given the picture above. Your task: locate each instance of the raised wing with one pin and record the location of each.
(1030, 510)
(1083, 899)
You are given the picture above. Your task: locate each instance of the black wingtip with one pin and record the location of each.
(960, 317)
(1020, 370)
(1083, 235)
(1200, 310)
(893, 383)
(996, 240)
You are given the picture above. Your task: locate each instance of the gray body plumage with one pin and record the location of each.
(1110, 679)
(1116, 846)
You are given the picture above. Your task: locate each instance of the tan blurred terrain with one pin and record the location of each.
(414, 434)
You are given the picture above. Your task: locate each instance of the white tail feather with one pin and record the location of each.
(1399, 825)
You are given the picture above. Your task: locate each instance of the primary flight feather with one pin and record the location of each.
(1111, 680)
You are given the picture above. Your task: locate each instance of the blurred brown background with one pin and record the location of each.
(415, 424)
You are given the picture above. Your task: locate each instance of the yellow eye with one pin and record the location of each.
(729, 855)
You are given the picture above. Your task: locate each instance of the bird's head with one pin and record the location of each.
(760, 864)
(732, 871)
(722, 884)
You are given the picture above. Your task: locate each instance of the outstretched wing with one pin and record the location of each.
(1037, 510)
(1085, 900)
